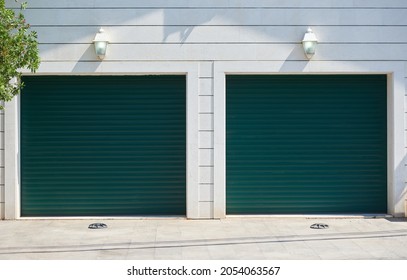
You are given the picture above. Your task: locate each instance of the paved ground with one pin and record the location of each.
(232, 238)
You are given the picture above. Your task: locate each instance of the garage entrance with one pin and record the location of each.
(306, 144)
(103, 145)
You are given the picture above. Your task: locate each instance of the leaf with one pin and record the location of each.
(18, 50)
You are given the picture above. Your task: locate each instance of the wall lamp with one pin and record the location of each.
(309, 43)
(101, 41)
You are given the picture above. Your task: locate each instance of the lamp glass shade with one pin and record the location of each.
(309, 48)
(100, 48)
(309, 43)
(100, 42)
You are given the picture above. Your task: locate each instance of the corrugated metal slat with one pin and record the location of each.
(299, 144)
(104, 145)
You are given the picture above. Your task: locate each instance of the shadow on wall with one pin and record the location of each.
(184, 31)
(290, 65)
(86, 67)
(345, 33)
(159, 33)
(67, 35)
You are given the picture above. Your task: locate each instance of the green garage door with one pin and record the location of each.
(303, 144)
(103, 145)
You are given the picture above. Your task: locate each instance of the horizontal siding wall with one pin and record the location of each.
(190, 4)
(220, 30)
(216, 30)
(231, 16)
(230, 34)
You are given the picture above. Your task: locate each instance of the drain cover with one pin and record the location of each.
(319, 226)
(97, 226)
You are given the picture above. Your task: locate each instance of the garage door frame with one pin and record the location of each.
(12, 130)
(395, 117)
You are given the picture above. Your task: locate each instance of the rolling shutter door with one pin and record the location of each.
(103, 145)
(303, 144)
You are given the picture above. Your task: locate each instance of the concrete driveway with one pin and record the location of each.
(233, 238)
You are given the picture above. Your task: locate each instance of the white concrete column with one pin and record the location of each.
(11, 160)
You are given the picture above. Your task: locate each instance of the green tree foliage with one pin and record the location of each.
(18, 50)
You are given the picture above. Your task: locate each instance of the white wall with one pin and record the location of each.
(2, 164)
(350, 33)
